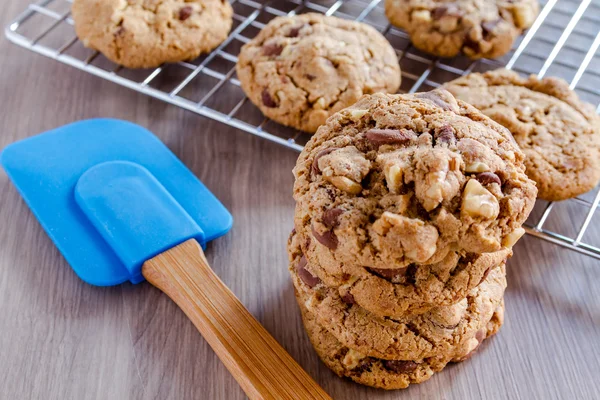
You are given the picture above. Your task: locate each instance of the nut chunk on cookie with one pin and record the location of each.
(477, 28)
(415, 179)
(559, 134)
(299, 70)
(147, 33)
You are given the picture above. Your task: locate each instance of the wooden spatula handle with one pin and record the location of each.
(260, 365)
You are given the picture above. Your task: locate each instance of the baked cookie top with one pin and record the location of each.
(299, 70)
(388, 374)
(559, 134)
(395, 293)
(477, 28)
(437, 332)
(396, 180)
(147, 33)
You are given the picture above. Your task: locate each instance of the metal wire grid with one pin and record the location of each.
(559, 43)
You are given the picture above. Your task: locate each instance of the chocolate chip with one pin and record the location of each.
(185, 13)
(305, 276)
(310, 77)
(439, 12)
(451, 10)
(487, 178)
(272, 49)
(444, 135)
(488, 26)
(348, 298)
(328, 239)
(389, 273)
(315, 164)
(293, 32)
(267, 99)
(302, 263)
(400, 366)
(435, 99)
(389, 136)
(330, 217)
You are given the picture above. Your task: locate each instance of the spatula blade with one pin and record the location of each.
(133, 212)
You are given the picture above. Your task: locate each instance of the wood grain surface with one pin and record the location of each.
(63, 339)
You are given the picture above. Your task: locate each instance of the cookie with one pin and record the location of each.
(387, 374)
(477, 28)
(397, 181)
(436, 332)
(299, 70)
(559, 134)
(397, 292)
(146, 33)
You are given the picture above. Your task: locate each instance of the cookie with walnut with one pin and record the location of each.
(477, 28)
(299, 70)
(439, 331)
(398, 181)
(395, 293)
(559, 133)
(147, 33)
(388, 374)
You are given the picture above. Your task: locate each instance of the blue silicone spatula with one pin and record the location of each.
(120, 206)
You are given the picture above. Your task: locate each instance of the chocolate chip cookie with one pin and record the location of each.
(398, 181)
(147, 33)
(394, 293)
(299, 70)
(388, 374)
(477, 28)
(436, 332)
(559, 134)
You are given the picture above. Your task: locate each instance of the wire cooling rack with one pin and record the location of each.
(563, 42)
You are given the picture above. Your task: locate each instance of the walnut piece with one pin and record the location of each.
(418, 240)
(478, 201)
(393, 176)
(345, 184)
(524, 16)
(477, 167)
(421, 16)
(346, 162)
(358, 114)
(352, 359)
(513, 237)
(441, 179)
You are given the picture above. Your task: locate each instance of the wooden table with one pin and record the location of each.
(63, 339)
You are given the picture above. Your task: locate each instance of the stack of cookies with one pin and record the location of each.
(407, 208)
